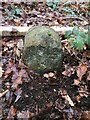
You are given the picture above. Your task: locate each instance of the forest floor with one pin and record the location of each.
(57, 95)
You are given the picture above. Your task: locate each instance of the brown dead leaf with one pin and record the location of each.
(65, 73)
(69, 71)
(17, 22)
(5, 77)
(50, 104)
(10, 63)
(23, 73)
(17, 82)
(86, 54)
(82, 68)
(78, 98)
(88, 75)
(12, 112)
(62, 92)
(85, 115)
(76, 82)
(21, 64)
(7, 73)
(67, 97)
(31, 114)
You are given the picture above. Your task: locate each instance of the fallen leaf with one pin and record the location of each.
(76, 82)
(17, 82)
(8, 71)
(6, 76)
(21, 64)
(15, 72)
(12, 112)
(88, 75)
(50, 104)
(85, 115)
(69, 71)
(17, 23)
(78, 98)
(10, 63)
(62, 92)
(31, 114)
(23, 73)
(66, 73)
(69, 100)
(81, 70)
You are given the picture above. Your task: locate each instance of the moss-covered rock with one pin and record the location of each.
(42, 49)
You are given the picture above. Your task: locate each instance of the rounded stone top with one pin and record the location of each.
(42, 49)
(42, 35)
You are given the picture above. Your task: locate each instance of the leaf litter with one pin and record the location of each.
(62, 94)
(59, 94)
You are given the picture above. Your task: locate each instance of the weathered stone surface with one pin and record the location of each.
(42, 51)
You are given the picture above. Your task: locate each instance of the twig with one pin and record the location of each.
(2, 94)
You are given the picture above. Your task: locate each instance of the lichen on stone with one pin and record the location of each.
(42, 49)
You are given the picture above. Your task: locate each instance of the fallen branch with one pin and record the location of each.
(20, 31)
